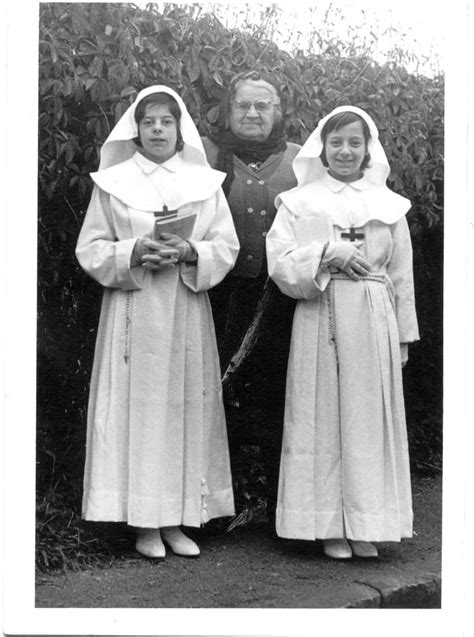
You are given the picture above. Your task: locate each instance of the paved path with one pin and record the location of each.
(252, 568)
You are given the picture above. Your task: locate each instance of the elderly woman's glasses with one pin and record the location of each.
(261, 106)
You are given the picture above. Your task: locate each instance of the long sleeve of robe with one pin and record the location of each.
(157, 451)
(294, 262)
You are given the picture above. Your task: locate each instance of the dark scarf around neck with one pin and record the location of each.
(247, 151)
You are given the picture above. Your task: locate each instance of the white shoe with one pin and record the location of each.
(363, 549)
(149, 543)
(178, 542)
(338, 549)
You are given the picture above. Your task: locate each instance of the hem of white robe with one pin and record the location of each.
(303, 525)
(101, 506)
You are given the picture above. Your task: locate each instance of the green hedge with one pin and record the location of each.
(93, 59)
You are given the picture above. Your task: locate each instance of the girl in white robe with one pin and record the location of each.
(340, 244)
(157, 453)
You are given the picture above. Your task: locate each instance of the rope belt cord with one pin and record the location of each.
(379, 278)
(128, 303)
(331, 321)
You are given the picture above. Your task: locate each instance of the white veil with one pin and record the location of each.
(125, 181)
(308, 165)
(119, 145)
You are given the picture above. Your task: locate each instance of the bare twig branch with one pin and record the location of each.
(251, 335)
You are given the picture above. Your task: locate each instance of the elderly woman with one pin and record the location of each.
(157, 454)
(251, 148)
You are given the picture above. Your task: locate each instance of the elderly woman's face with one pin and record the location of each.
(252, 113)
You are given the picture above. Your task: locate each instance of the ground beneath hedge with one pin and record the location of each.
(246, 568)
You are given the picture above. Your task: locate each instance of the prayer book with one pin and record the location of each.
(180, 225)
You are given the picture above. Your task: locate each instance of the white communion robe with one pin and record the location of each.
(344, 466)
(157, 450)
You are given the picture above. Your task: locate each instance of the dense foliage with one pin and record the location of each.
(93, 59)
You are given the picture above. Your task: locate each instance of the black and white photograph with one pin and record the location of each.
(237, 323)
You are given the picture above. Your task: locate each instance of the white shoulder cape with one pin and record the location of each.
(366, 202)
(129, 183)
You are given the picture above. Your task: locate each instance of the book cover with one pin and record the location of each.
(182, 226)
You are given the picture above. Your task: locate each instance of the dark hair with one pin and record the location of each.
(252, 76)
(159, 99)
(336, 122)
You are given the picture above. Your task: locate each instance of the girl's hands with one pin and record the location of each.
(185, 250)
(348, 258)
(165, 253)
(153, 255)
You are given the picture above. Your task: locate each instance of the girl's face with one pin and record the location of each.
(158, 132)
(345, 151)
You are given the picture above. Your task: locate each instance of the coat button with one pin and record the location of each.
(249, 181)
(264, 234)
(263, 212)
(261, 182)
(249, 209)
(249, 257)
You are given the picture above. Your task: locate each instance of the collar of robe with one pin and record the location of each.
(346, 203)
(134, 182)
(336, 185)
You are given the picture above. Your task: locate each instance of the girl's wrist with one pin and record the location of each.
(190, 255)
(135, 257)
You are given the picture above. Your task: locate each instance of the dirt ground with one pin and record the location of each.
(246, 568)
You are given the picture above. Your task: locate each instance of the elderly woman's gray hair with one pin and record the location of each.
(250, 76)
